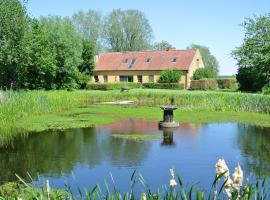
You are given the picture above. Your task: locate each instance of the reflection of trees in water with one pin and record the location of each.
(254, 143)
(58, 152)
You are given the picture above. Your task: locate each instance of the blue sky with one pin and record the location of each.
(213, 23)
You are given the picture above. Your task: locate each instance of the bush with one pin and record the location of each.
(170, 76)
(112, 86)
(163, 85)
(226, 83)
(249, 79)
(204, 84)
(266, 89)
(203, 73)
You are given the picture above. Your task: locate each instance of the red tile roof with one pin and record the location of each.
(159, 60)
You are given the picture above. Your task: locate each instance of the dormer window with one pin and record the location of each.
(174, 59)
(148, 60)
(133, 61)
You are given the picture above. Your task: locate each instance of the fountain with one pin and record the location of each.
(168, 121)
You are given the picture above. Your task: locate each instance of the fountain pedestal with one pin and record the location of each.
(168, 121)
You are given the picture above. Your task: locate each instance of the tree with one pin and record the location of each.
(13, 22)
(127, 30)
(88, 64)
(170, 76)
(162, 46)
(203, 73)
(253, 56)
(68, 46)
(37, 69)
(208, 59)
(90, 25)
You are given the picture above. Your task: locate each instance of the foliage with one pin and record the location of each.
(37, 69)
(266, 90)
(204, 84)
(170, 76)
(90, 25)
(162, 46)
(253, 56)
(178, 190)
(68, 45)
(226, 83)
(112, 86)
(88, 64)
(127, 30)
(203, 73)
(209, 60)
(163, 85)
(13, 21)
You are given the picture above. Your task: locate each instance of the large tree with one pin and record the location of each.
(90, 25)
(253, 56)
(13, 22)
(68, 46)
(127, 30)
(37, 69)
(162, 46)
(209, 60)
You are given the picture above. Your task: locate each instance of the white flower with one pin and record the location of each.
(222, 167)
(238, 176)
(173, 182)
(48, 188)
(172, 172)
(19, 198)
(143, 197)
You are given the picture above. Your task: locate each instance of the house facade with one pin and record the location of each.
(145, 66)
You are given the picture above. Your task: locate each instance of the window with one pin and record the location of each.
(151, 78)
(133, 61)
(139, 78)
(125, 60)
(174, 59)
(126, 78)
(105, 77)
(148, 60)
(96, 79)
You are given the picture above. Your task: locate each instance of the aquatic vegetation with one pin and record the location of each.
(177, 190)
(137, 136)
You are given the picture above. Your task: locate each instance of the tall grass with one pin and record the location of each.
(18, 105)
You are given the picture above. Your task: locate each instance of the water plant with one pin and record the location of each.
(222, 188)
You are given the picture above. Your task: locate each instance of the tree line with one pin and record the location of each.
(56, 52)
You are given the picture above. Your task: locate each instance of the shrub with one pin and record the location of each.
(170, 76)
(204, 84)
(163, 85)
(249, 79)
(112, 86)
(203, 73)
(266, 89)
(226, 83)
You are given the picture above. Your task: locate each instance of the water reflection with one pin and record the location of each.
(254, 143)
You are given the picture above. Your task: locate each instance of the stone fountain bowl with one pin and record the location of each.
(168, 107)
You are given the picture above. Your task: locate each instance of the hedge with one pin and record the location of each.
(226, 83)
(204, 84)
(112, 86)
(163, 86)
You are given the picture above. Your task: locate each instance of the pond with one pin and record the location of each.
(85, 157)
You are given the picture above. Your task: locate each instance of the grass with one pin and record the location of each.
(41, 110)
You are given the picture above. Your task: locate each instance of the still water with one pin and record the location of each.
(85, 157)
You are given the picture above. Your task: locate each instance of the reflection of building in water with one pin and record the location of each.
(167, 136)
(141, 126)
